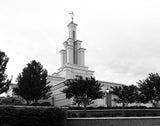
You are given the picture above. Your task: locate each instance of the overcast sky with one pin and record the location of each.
(122, 37)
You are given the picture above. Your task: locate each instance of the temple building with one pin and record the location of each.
(73, 64)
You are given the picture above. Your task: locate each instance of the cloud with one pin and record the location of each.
(121, 37)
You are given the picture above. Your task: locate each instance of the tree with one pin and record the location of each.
(83, 91)
(32, 83)
(4, 82)
(149, 89)
(125, 94)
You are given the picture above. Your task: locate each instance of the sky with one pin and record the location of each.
(121, 37)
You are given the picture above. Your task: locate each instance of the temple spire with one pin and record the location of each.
(73, 55)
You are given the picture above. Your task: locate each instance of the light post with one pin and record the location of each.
(107, 97)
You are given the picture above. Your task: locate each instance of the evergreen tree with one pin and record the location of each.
(4, 82)
(32, 83)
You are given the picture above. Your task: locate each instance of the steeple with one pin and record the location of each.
(73, 56)
(73, 36)
(72, 30)
(73, 53)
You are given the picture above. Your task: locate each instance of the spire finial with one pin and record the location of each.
(72, 14)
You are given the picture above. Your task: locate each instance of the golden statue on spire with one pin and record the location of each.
(72, 14)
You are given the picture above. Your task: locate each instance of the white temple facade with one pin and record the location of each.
(73, 64)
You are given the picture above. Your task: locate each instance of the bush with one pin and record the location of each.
(82, 114)
(35, 104)
(45, 104)
(32, 116)
(72, 115)
(10, 101)
(98, 114)
(41, 104)
(102, 107)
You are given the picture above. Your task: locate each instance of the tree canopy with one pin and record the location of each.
(83, 91)
(4, 82)
(150, 89)
(125, 94)
(32, 83)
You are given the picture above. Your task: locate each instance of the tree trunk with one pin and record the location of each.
(35, 101)
(78, 104)
(123, 105)
(85, 107)
(27, 102)
(155, 104)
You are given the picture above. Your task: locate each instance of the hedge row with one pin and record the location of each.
(114, 113)
(24, 116)
(101, 107)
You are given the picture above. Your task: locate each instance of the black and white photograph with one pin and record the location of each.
(79, 63)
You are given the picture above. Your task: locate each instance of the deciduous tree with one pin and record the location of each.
(125, 94)
(83, 91)
(149, 89)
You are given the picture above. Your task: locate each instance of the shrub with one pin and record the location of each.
(45, 104)
(102, 107)
(10, 101)
(35, 104)
(41, 104)
(98, 114)
(72, 115)
(82, 114)
(32, 116)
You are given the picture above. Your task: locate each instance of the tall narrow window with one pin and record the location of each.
(74, 35)
(74, 49)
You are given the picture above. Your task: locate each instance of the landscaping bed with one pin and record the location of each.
(113, 113)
